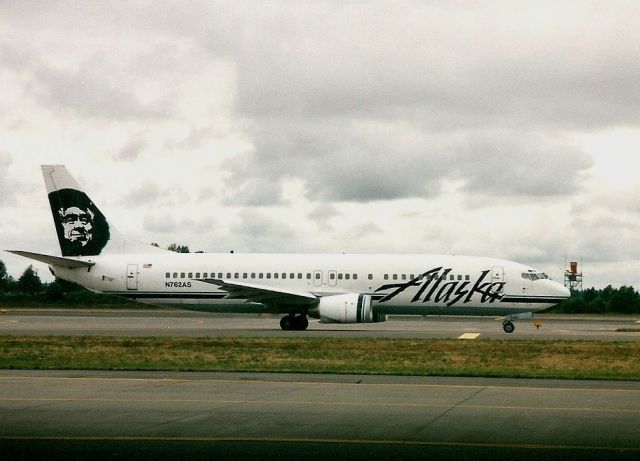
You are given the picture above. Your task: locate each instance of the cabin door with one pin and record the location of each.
(132, 276)
(497, 276)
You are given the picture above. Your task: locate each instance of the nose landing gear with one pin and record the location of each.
(294, 322)
(508, 326)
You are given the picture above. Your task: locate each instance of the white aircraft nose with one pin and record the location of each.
(562, 291)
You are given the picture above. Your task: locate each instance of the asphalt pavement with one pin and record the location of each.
(118, 415)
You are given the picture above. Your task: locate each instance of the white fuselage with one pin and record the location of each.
(398, 284)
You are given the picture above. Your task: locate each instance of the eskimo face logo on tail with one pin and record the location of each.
(82, 229)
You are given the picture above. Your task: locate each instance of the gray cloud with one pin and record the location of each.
(151, 194)
(131, 150)
(161, 224)
(7, 187)
(450, 65)
(520, 164)
(258, 231)
(364, 162)
(431, 65)
(12, 188)
(89, 93)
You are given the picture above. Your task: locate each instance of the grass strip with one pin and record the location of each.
(424, 357)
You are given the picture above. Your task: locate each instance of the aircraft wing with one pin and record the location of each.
(263, 294)
(54, 260)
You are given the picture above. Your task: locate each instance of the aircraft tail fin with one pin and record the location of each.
(81, 227)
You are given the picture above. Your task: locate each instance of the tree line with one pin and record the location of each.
(30, 289)
(623, 300)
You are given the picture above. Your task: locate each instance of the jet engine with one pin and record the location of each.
(347, 308)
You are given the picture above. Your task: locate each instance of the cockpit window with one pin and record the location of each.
(534, 275)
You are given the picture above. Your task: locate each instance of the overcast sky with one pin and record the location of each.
(506, 129)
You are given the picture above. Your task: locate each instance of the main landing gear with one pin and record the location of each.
(508, 326)
(294, 322)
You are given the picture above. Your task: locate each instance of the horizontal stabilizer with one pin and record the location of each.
(54, 260)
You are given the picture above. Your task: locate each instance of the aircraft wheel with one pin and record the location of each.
(286, 323)
(300, 322)
(508, 327)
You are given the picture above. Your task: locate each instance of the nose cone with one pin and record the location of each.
(561, 291)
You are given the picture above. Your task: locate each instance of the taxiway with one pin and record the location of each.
(201, 324)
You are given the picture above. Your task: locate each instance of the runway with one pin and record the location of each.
(200, 324)
(116, 415)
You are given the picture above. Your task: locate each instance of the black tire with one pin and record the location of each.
(508, 327)
(300, 322)
(286, 323)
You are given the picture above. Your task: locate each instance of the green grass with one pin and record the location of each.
(497, 358)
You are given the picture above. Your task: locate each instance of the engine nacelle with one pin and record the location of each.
(349, 308)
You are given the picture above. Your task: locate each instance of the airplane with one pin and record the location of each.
(334, 288)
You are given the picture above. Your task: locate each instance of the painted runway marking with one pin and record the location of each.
(469, 336)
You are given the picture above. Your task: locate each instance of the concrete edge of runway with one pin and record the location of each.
(330, 378)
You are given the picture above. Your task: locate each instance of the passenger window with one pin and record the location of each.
(175, 275)
(467, 277)
(404, 276)
(244, 275)
(346, 276)
(204, 276)
(197, 275)
(284, 275)
(268, 275)
(355, 276)
(452, 277)
(370, 276)
(292, 275)
(339, 276)
(168, 275)
(411, 277)
(182, 275)
(395, 276)
(386, 276)
(317, 275)
(190, 275)
(308, 276)
(220, 275)
(275, 275)
(332, 276)
(253, 275)
(236, 276)
(299, 275)
(260, 275)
